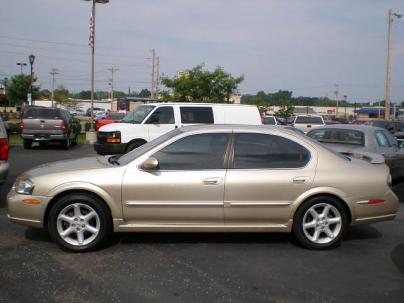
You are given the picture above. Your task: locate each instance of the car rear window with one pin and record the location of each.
(42, 113)
(309, 120)
(338, 136)
(196, 115)
(269, 120)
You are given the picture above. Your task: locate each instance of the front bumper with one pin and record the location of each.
(110, 148)
(26, 214)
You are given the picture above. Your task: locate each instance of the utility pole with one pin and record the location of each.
(153, 51)
(391, 15)
(157, 78)
(112, 70)
(53, 72)
(336, 92)
(21, 65)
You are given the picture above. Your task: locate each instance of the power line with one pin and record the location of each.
(71, 44)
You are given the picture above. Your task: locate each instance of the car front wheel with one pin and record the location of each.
(79, 222)
(320, 223)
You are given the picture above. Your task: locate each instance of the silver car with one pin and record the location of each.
(361, 141)
(206, 179)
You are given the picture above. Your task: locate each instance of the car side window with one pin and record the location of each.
(259, 151)
(381, 139)
(196, 115)
(162, 115)
(195, 152)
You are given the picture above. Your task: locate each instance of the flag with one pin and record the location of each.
(91, 26)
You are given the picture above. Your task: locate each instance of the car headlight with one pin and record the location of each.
(24, 187)
(114, 137)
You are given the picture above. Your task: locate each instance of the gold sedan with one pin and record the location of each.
(206, 179)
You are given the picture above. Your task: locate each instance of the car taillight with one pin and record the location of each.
(63, 126)
(21, 125)
(3, 149)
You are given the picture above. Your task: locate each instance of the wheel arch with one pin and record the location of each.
(88, 189)
(335, 194)
(136, 140)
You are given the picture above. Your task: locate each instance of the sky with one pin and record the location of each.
(306, 46)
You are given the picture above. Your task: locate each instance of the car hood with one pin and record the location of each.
(68, 165)
(117, 126)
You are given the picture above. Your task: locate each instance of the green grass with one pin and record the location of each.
(16, 139)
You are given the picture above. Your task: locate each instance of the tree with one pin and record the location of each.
(286, 110)
(61, 94)
(19, 87)
(199, 85)
(144, 93)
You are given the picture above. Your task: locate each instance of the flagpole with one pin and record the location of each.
(92, 69)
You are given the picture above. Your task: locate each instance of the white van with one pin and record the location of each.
(152, 120)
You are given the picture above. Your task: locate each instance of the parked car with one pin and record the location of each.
(308, 122)
(150, 121)
(269, 120)
(111, 117)
(95, 111)
(43, 125)
(396, 128)
(4, 165)
(206, 179)
(361, 141)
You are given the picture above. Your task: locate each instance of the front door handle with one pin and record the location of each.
(300, 180)
(212, 181)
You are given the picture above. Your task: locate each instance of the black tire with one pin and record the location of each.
(302, 235)
(132, 145)
(85, 201)
(27, 144)
(66, 143)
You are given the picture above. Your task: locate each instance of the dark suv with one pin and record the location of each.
(42, 125)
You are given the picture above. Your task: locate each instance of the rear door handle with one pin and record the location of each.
(300, 180)
(212, 181)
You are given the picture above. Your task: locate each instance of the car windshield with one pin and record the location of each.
(309, 120)
(129, 157)
(116, 116)
(41, 113)
(338, 136)
(138, 115)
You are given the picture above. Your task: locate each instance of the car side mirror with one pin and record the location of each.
(150, 163)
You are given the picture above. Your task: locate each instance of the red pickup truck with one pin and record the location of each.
(111, 117)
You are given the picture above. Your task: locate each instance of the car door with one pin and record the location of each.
(266, 175)
(187, 187)
(160, 121)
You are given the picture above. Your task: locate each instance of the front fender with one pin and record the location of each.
(114, 206)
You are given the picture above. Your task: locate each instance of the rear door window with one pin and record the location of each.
(262, 151)
(381, 139)
(196, 115)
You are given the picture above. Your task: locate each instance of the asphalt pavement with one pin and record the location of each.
(197, 267)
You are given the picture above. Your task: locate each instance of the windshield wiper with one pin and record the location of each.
(113, 160)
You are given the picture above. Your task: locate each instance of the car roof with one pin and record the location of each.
(196, 104)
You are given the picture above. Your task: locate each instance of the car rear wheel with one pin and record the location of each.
(66, 143)
(79, 222)
(27, 144)
(320, 223)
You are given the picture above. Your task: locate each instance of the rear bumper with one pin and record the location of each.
(43, 137)
(110, 149)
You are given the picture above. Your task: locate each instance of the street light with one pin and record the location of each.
(31, 62)
(21, 65)
(92, 38)
(391, 17)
